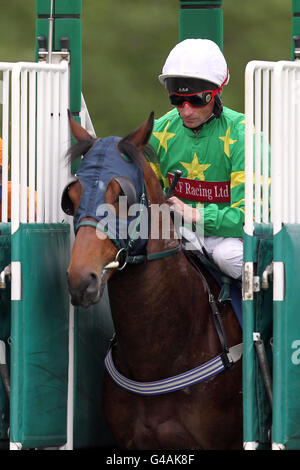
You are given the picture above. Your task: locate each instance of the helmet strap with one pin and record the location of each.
(218, 106)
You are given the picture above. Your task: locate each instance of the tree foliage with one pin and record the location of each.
(125, 44)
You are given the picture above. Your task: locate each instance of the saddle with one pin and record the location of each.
(230, 288)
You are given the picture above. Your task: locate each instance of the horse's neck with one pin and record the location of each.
(156, 309)
(153, 187)
(157, 306)
(162, 234)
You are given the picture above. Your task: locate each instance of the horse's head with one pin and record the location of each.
(109, 181)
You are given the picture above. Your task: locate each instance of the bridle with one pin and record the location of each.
(124, 256)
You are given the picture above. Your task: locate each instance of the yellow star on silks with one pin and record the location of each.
(163, 137)
(195, 169)
(227, 142)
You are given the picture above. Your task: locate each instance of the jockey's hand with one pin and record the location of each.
(189, 214)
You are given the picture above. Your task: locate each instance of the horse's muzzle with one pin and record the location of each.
(86, 290)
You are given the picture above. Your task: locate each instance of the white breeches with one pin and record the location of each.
(227, 253)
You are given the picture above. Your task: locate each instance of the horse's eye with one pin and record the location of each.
(67, 204)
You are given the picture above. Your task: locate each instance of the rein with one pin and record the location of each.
(136, 259)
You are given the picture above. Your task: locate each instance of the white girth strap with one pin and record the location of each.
(171, 384)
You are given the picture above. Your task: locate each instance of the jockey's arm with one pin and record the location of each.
(189, 214)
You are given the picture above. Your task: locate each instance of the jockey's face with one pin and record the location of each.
(194, 117)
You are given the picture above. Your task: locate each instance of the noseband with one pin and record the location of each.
(124, 251)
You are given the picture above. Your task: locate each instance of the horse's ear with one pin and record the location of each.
(78, 132)
(140, 136)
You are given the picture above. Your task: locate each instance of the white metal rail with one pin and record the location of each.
(38, 138)
(272, 117)
(285, 144)
(258, 79)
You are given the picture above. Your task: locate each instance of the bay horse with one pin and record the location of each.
(170, 381)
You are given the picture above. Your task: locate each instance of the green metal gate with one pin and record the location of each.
(271, 296)
(39, 337)
(55, 397)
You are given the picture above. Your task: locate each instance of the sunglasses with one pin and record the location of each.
(197, 100)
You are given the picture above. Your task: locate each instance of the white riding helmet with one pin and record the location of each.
(199, 59)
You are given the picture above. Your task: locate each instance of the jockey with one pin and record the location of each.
(205, 141)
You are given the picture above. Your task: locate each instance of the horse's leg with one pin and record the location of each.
(144, 438)
(137, 424)
(170, 433)
(213, 412)
(126, 420)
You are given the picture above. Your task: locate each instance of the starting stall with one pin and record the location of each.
(51, 355)
(271, 353)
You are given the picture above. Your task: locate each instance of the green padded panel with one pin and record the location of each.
(286, 407)
(39, 336)
(5, 256)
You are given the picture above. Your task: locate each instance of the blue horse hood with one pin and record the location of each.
(100, 165)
